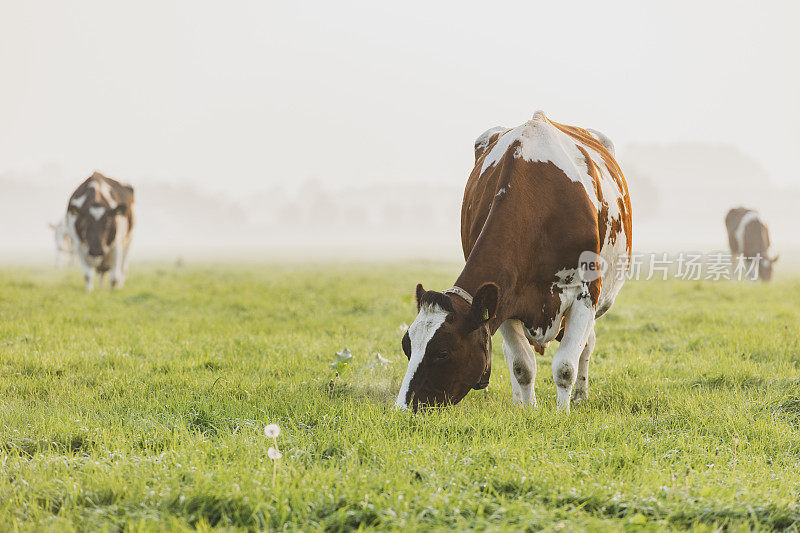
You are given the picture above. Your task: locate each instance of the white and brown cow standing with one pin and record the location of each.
(100, 221)
(541, 198)
(748, 238)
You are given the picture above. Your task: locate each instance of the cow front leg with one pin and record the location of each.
(88, 277)
(521, 362)
(101, 283)
(579, 325)
(581, 390)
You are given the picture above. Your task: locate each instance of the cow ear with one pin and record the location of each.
(420, 293)
(484, 305)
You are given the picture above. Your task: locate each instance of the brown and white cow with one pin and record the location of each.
(100, 221)
(542, 198)
(748, 238)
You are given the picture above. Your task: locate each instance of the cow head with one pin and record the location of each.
(765, 267)
(61, 236)
(96, 227)
(448, 347)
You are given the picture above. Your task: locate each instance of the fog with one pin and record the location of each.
(269, 131)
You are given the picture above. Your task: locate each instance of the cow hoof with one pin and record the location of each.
(579, 396)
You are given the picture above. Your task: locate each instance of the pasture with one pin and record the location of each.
(144, 409)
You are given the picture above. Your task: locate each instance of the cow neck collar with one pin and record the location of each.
(455, 289)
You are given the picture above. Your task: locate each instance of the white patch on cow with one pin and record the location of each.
(483, 139)
(748, 217)
(501, 192)
(78, 202)
(569, 281)
(540, 141)
(420, 332)
(605, 141)
(97, 211)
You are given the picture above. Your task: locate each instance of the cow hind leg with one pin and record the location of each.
(117, 278)
(566, 362)
(521, 362)
(581, 390)
(120, 269)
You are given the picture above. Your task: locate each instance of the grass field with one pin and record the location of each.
(144, 409)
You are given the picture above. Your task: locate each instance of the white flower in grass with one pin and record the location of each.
(342, 360)
(381, 360)
(273, 453)
(272, 431)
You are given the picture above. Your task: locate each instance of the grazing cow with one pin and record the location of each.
(100, 221)
(748, 237)
(63, 241)
(544, 205)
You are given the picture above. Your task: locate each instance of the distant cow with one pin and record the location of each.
(63, 240)
(541, 199)
(748, 237)
(100, 221)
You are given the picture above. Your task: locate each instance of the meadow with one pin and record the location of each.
(144, 409)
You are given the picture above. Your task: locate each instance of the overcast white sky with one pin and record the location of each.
(244, 95)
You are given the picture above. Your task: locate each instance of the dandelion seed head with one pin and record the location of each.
(272, 431)
(273, 453)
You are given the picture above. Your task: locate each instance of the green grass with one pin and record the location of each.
(144, 409)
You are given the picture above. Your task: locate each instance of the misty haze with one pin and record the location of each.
(234, 293)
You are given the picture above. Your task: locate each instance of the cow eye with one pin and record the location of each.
(442, 354)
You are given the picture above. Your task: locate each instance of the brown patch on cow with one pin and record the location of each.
(602, 221)
(627, 224)
(595, 288)
(616, 228)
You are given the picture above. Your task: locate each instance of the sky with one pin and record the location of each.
(242, 96)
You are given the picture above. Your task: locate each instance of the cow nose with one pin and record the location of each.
(95, 253)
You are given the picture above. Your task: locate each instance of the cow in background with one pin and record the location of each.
(100, 221)
(748, 237)
(63, 240)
